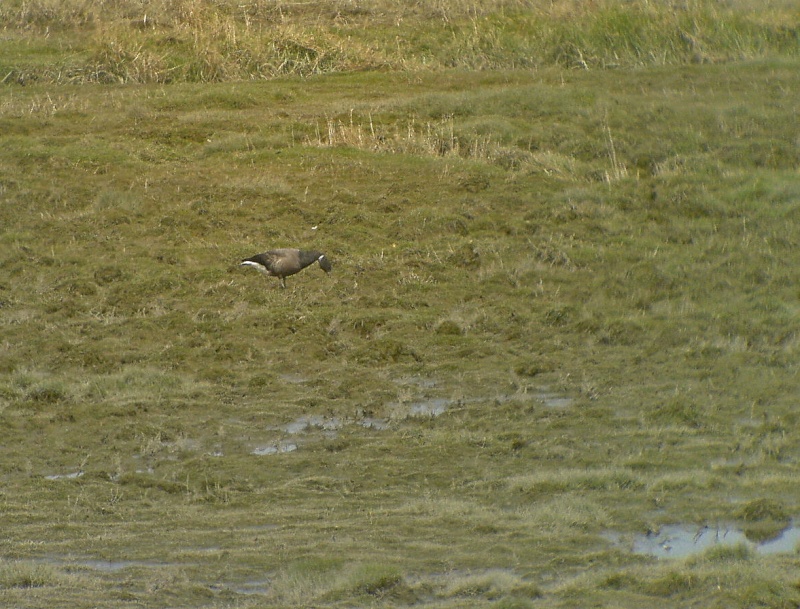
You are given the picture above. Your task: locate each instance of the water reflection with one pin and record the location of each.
(683, 540)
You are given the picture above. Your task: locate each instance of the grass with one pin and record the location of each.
(189, 40)
(562, 303)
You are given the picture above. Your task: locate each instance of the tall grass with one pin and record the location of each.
(24, 574)
(189, 40)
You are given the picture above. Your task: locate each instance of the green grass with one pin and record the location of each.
(562, 305)
(188, 40)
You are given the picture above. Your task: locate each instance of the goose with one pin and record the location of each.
(286, 261)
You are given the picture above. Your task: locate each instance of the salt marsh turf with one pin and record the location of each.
(563, 315)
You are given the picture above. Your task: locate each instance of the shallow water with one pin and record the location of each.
(553, 400)
(683, 540)
(274, 449)
(110, 566)
(416, 381)
(71, 476)
(105, 566)
(421, 407)
(373, 423)
(248, 587)
(252, 587)
(548, 398)
(295, 379)
(305, 423)
(429, 408)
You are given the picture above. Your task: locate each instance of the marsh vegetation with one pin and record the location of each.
(563, 312)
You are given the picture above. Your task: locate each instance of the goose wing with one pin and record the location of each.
(271, 262)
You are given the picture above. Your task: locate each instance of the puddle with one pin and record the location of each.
(294, 379)
(553, 400)
(376, 424)
(330, 424)
(261, 527)
(416, 381)
(682, 540)
(104, 566)
(429, 408)
(305, 423)
(112, 566)
(252, 587)
(416, 407)
(548, 398)
(432, 407)
(274, 449)
(71, 476)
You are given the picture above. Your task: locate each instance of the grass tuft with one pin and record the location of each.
(25, 574)
(187, 41)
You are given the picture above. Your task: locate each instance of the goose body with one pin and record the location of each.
(283, 262)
